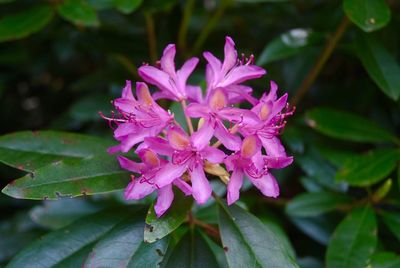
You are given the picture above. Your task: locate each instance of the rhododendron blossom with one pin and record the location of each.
(248, 138)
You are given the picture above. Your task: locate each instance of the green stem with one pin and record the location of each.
(212, 22)
(151, 36)
(188, 121)
(324, 56)
(187, 13)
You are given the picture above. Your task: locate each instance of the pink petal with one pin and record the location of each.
(238, 93)
(143, 94)
(234, 185)
(168, 173)
(196, 110)
(127, 91)
(125, 129)
(237, 115)
(159, 145)
(149, 158)
(167, 60)
(230, 56)
(165, 197)
(131, 140)
(273, 146)
(178, 138)
(200, 185)
(229, 140)
(137, 190)
(183, 186)
(250, 146)
(213, 155)
(164, 95)
(242, 73)
(217, 99)
(215, 64)
(202, 137)
(267, 185)
(183, 74)
(125, 105)
(156, 77)
(277, 162)
(130, 165)
(272, 92)
(194, 93)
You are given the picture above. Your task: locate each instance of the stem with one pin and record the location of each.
(323, 57)
(151, 36)
(187, 13)
(212, 22)
(210, 229)
(188, 121)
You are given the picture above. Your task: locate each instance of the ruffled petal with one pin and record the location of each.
(229, 140)
(200, 185)
(277, 162)
(266, 184)
(183, 186)
(165, 197)
(130, 165)
(168, 173)
(213, 155)
(137, 190)
(242, 73)
(159, 145)
(202, 137)
(230, 55)
(168, 60)
(273, 146)
(196, 110)
(234, 185)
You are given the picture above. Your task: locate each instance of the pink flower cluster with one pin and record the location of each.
(170, 156)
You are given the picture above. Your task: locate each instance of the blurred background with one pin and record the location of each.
(63, 61)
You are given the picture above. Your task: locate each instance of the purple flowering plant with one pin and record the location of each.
(227, 142)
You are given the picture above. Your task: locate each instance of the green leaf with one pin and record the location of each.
(54, 247)
(346, 126)
(381, 66)
(318, 228)
(123, 246)
(382, 191)
(370, 168)
(392, 221)
(28, 150)
(78, 12)
(127, 6)
(384, 260)
(24, 23)
(157, 228)
(191, 251)
(353, 241)
(70, 177)
(57, 214)
(250, 243)
(369, 15)
(312, 204)
(287, 45)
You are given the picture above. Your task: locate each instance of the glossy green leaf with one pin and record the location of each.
(370, 168)
(384, 260)
(70, 177)
(287, 45)
(157, 228)
(381, 66)
(54, 247)
(78, 12)
(28, 150)
(191, 251)
(127, 6)
(57, 214)
(346, 126)
(392, 221)
(353, 241)
(77, 259)
(312, 204)
(319, 228)
(250, 243)
(123, 246)
(369, 15)
(24, 23)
